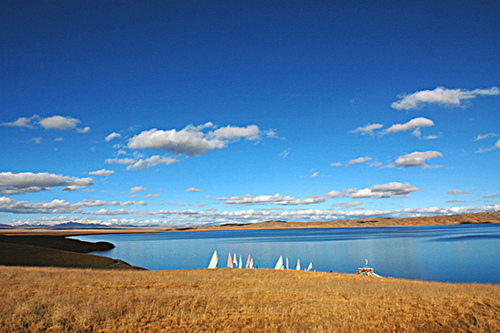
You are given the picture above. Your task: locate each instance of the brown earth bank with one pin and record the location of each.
(238, 300)
(56, 251)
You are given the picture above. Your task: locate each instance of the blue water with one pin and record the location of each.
(458, 253)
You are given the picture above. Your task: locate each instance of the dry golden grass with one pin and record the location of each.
(237, 300)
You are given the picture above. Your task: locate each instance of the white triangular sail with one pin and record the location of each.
(240, 263)
(235, 262)
(310, 267)
(298, 265)
(279, 263)
(213, 261)
(251, 263)
(247, 265)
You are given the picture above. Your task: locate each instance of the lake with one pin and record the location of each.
(452, 253)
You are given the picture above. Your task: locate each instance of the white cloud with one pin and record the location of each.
(156, 195)
(62, 123)
(348, 204)
(285, 153)
(485, 136)
(124, 161)
(27, 182)
(21, 122)
(59, 123)
(359, 160)
(137, 189)
(83, 130)
(457, 192)
(367, 129)
(441, 96)
(112, 136)
(417, 159)
(194, 217)
(37, 140)
(495, 146)
(150, 162)
(251, 132)
(192, 189)
(276, 199)
(102, 172)
(141, 163)
(191, 140)
(388, 190)
(414, 124)
(339, 194)
(336, 164)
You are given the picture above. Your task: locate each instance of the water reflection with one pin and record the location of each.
(461, 253)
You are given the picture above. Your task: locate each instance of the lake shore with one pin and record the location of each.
(238, 300)
(31, 246)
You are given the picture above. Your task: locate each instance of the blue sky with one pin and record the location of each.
(196, 112)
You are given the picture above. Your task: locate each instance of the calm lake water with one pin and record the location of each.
(458, 253)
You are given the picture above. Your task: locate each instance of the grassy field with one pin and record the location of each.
(237, 300)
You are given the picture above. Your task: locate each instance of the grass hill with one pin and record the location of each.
(237, 300)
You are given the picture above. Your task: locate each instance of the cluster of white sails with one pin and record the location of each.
(233, 262)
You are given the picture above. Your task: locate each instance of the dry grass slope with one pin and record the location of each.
(238, 300)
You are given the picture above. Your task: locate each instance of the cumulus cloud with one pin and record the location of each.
(192, 140)
(150, 162)
(21, 122)
(102, 172)
(112, 136)
(359, 160)
(27, 182)
(413, 125)
(367, 129)
(62, 123)
(156, 195)
(441, 96)
(276, 199)
(348, 204)
(141, 163)
(339, 194)
(454, 192)
(394, 189)
(417, 159)
(137, 189)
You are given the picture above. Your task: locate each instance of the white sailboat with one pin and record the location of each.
(213, 261)
(279, 263)
(298, 265)
(310, 267)
(251, 263)
(235, 262)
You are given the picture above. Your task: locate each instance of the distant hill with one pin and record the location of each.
(77, 225)
(483, 217)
